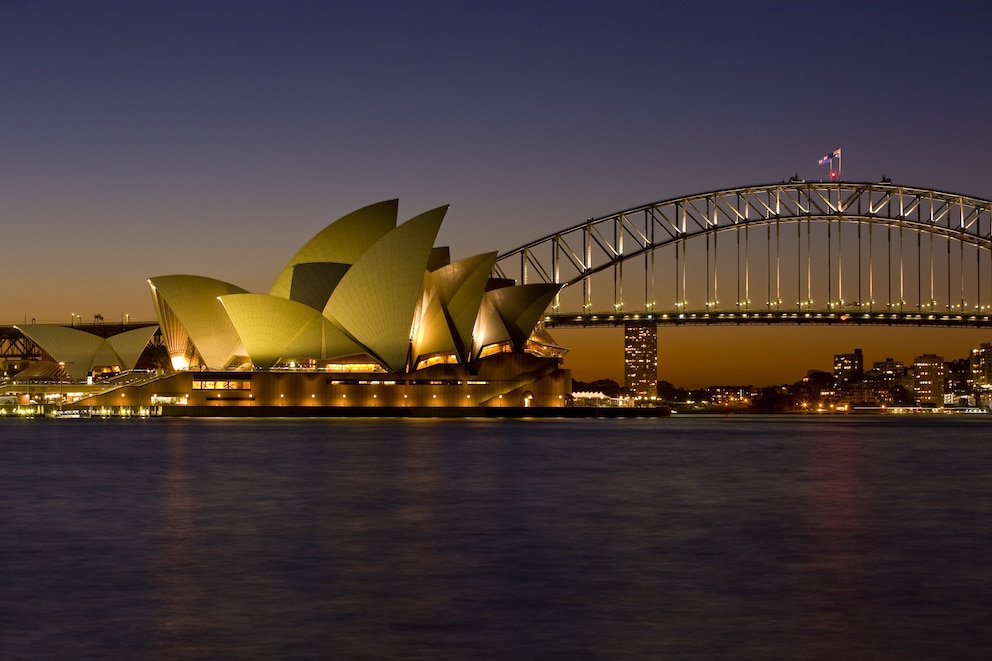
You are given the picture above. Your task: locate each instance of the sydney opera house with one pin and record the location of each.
(368, 313)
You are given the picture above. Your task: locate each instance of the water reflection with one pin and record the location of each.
(177, 621)
(833, 562)
(697, 538)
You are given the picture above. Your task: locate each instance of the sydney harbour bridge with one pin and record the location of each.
(795, 252)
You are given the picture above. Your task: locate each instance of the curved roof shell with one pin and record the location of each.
(452, 296)
(342, 242)
(82, 352)
(130, 344)
(520, 308)
(313, 282)
(433, 334)
(461, 286)
(489, 327)
(275, 328)
(364, 287)
(192, 301)
(376, 299)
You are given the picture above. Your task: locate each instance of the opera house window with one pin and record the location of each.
(221, 385)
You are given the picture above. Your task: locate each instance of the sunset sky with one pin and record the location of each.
(146, 139)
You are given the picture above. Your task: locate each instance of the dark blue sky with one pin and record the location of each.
(142, 139)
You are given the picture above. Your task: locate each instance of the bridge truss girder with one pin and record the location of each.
(14, 345)
(603, 245)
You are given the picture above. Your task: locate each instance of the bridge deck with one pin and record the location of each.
(770, 317)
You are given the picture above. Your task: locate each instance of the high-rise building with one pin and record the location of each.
(929, 372)
(981, 366)
(849, 367)
(886, 376)
(889, 368)
(640, 358)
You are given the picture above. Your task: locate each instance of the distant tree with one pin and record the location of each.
(669, 393)
(608, 387)
(773, 399)
(697, 395)
(901, 396)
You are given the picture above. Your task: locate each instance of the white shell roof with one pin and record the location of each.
(343, 241)
(193, 301)
(376, 299)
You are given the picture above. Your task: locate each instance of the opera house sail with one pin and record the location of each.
(369, 312)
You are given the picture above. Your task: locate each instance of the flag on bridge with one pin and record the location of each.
(829, 157)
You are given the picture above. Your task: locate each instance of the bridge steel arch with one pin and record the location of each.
(915, 254)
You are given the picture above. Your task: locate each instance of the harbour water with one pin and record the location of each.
(684, 538)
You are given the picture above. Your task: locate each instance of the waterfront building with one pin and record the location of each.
(848, 367)
(367, 313)
(958, 387)
(929, 372)
(889, 369)
(640, 359)
(887, 382)
(730, 395)
(980, 362)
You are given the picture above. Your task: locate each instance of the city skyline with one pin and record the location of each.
(141, 142)
(695, 357)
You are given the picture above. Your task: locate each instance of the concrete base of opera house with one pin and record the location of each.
(506, 382)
